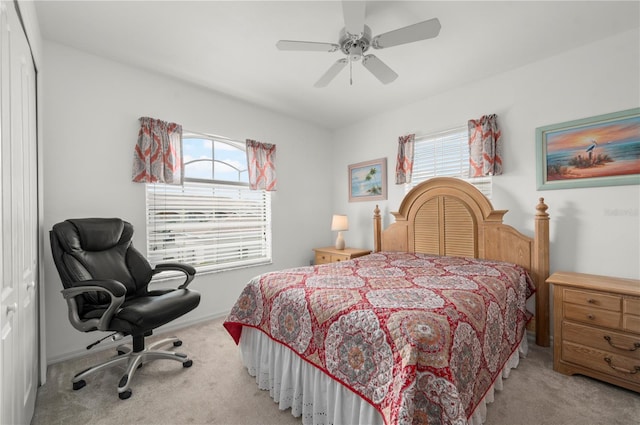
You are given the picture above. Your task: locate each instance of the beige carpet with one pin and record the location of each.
(218, 390)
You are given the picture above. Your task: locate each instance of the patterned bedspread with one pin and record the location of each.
(420, 337)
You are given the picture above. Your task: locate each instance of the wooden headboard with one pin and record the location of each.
(448, 216)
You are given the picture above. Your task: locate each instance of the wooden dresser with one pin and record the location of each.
(597, 327)
(332, 255)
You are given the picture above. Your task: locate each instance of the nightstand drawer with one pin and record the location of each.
(322, 258)
(594, 299)
(336, 257)
(592, 316)
(332, 255)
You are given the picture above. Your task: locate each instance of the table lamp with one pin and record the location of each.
(339, 224)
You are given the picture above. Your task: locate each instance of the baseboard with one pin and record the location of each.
(531, 338)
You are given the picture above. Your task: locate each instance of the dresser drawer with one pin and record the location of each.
(631, 314)
(602, 339)
(594, 299)
(631, 323)
(631, 306)
(593, 316)
(616, 365)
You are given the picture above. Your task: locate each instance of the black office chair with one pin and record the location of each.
(106, 282)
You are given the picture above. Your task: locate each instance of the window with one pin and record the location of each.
(445, 154)
(213, 221)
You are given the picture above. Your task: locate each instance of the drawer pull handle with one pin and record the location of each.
(636, 345)
(591, 301)
(591, 316)
(635, 370)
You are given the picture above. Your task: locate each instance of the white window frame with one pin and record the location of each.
(214, 225)
(445, 154)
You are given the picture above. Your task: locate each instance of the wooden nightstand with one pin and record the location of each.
(332, 255)
(597, 327)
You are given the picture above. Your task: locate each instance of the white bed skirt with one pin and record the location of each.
(296, 384)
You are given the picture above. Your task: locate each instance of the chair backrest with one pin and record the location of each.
(99, 248)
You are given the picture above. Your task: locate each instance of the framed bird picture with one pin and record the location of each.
(598, 151)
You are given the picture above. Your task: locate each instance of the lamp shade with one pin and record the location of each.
(339, 223)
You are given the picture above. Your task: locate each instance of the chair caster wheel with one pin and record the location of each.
(188, 363)
(79, 384)
(124, 395)
(177, 343)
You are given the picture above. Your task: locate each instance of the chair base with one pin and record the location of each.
(134, 360)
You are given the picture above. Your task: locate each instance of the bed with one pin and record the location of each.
(423, 330)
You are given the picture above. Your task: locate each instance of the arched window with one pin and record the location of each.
(211, 159)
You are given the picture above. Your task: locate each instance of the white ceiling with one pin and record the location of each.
(229, 46)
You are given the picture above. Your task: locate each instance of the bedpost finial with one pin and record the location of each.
(377, 230)
(542, 208)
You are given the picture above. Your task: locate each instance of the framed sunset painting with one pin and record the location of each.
(598, 151)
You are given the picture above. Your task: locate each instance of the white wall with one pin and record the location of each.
(91, 111)
(593, 230)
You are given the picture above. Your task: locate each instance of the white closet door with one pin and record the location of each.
(18, 223)
(9, 290)
(27, 229)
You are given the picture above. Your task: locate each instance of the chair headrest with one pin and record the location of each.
(98, 234)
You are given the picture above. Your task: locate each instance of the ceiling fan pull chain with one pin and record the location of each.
(350, 71)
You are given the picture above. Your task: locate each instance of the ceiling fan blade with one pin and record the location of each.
(416, 32)
(331, 73)
(379, 69)
(353, 12)
(309, 46)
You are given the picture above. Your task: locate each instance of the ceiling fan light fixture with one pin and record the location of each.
(355, 52)
(347, 42)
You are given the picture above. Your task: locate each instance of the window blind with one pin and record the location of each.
(210, 226)
(445, 154)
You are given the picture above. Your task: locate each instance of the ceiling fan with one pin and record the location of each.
(355, 39)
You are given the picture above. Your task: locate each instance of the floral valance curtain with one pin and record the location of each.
(158, 154)
(261, 162)
(404, 162)
(485, 147)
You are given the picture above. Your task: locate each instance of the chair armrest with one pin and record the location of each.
(188, 270)
(113, 288)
